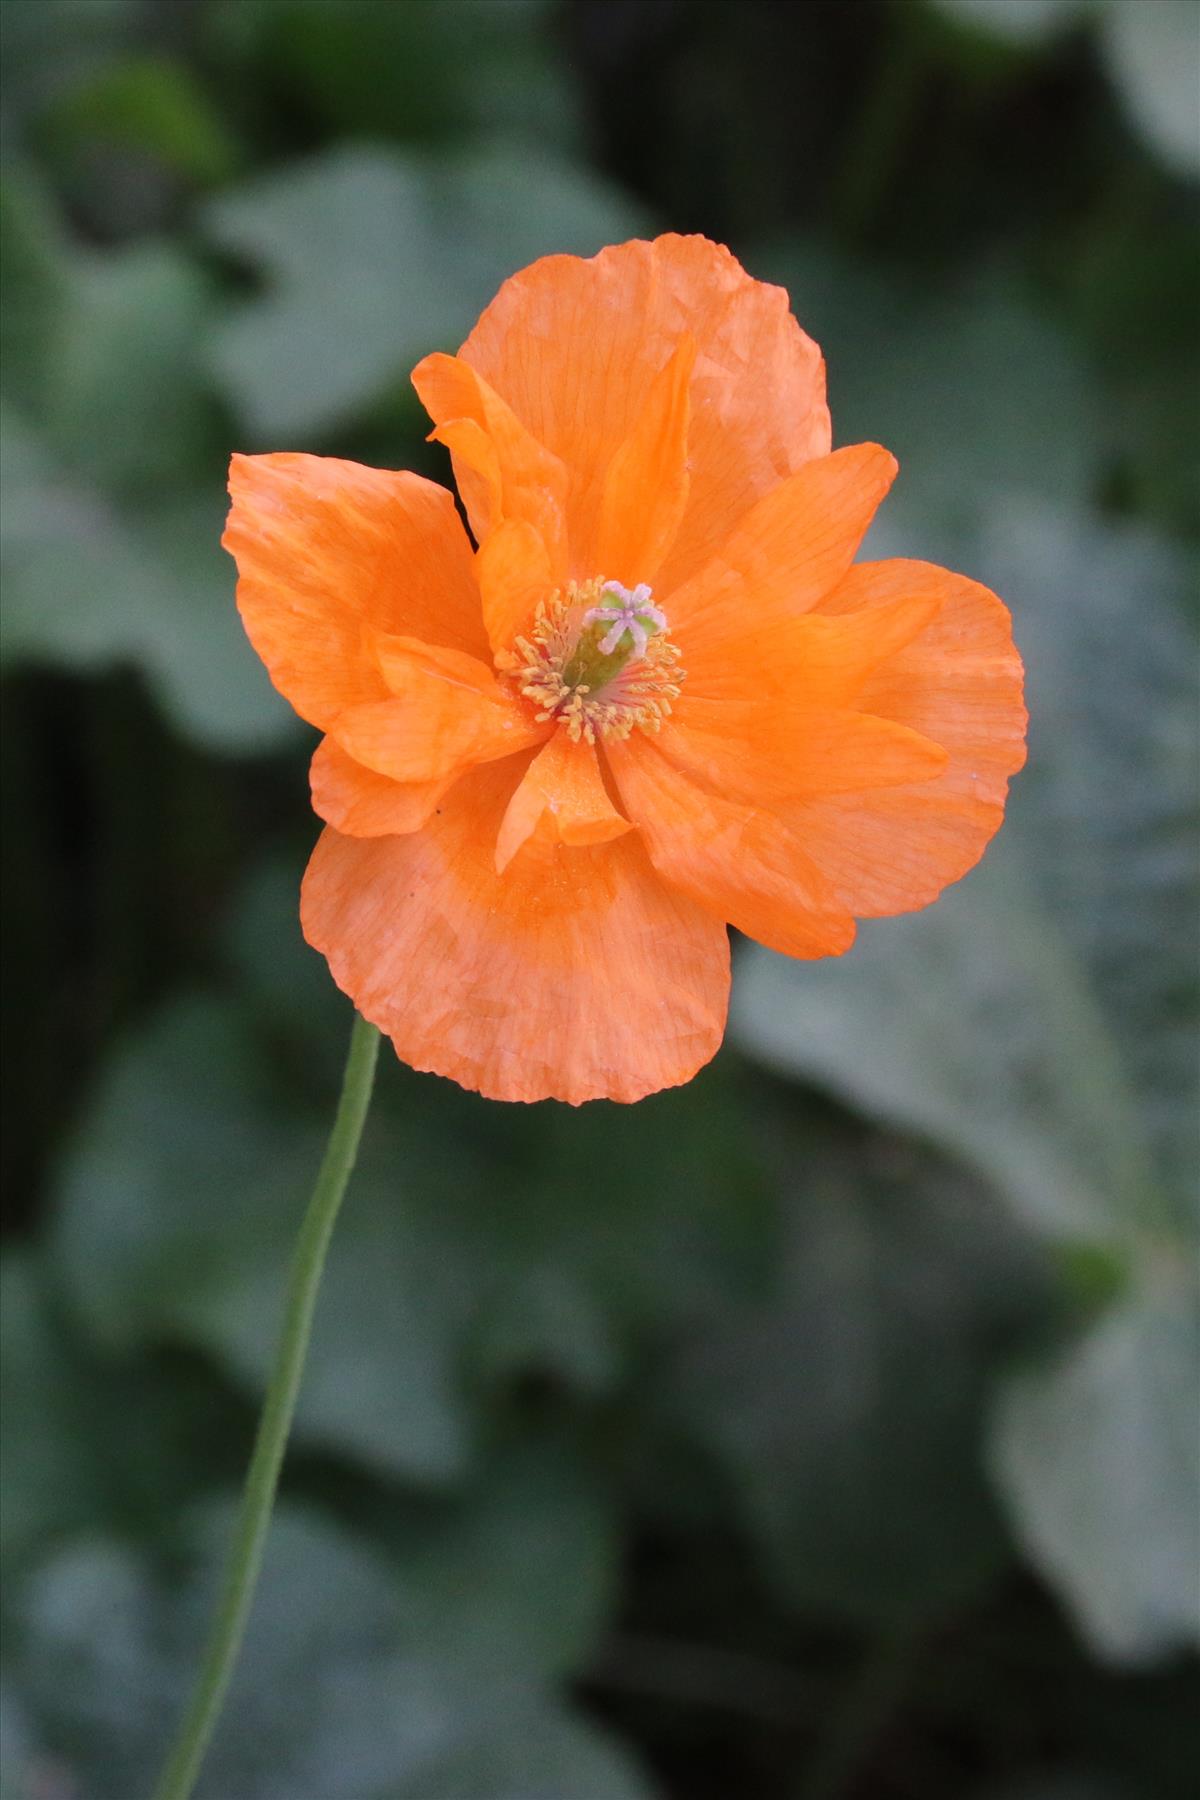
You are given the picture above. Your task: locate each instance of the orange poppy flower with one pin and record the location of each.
(657, 699)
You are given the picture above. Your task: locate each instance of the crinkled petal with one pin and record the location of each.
(770, 749)
(738, 859)
(780, 560)
(959, 682)
(501, 470)
(574, 345)
(562, 796)
(443, 713)
(361, 803)
(574, 976)
(645, 489)
(515, 572)
(829, 657)
(326, 549)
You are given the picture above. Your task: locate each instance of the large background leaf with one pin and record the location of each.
(389, 256)
(110, 554)
(335, 1692)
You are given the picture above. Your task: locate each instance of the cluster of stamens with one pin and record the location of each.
(597, 659)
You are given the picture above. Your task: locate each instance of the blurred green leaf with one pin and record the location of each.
(104, 352)
(35, 293)
(1017, 21)
(847, 1411)
(148, 104)
(48, 48)
(113, 497)
(179, 1206)
(541, 1755)
(22, 1767)
(332, 1694)
(87, 584)
(1039, 1019)
(130, 410)
(374, 258)
(515, 1577)
(51, 1472)
(185, 1184)
(1153, 52)
(69, 1460)
(944, 1022)
(1099, 1455)
(971, 389)
(430, 70)
(1152, 48)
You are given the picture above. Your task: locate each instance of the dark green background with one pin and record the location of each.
(824, 1430)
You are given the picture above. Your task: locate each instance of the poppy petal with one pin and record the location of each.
(646, 486)
(739, 859)
(563, 793)
(958, 681)
(581, 977)
(501, 470)
(782, 558)
(767, 752)
(319, 544)
(573, 345)
(360, 802)
(444, 712)
(829, 656)
(515, 572)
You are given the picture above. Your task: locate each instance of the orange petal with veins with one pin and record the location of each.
(443, 713)
(576, 975)
(362, 803)
(647, 483)
(326, 551)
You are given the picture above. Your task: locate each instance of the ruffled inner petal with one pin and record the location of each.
(645, 488)
(782, 558)
(443, 713)
(561, 799)
(515, 572)
(502, 471)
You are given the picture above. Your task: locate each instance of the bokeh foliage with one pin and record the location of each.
(827, 1427)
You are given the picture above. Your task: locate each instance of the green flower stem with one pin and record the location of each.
(262, 1480)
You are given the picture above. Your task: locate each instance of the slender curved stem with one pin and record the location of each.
(262, 1479)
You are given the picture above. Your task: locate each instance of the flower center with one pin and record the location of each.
(599, 660)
